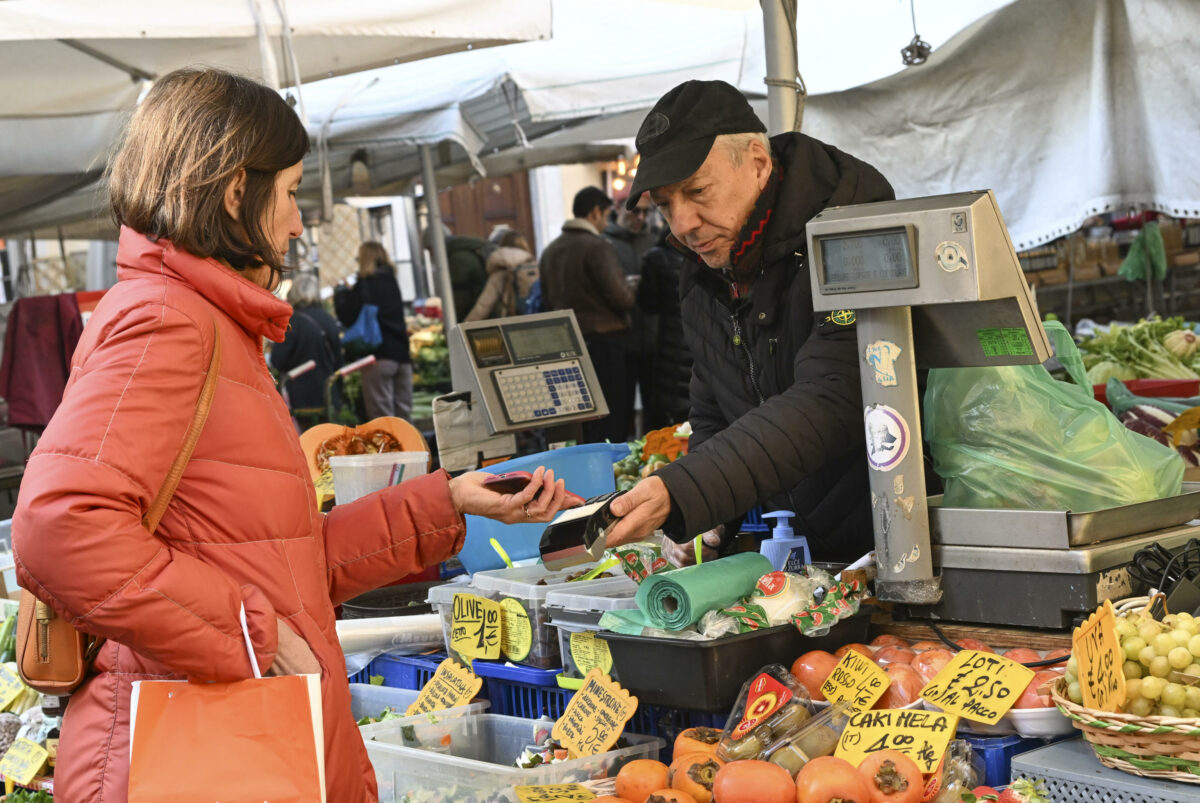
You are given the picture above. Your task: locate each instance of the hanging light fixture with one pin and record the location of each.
(918, 49)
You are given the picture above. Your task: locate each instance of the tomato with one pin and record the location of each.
(694, 773)
(927, 645)
(892, 777)
(697, 740)
(973, 644)
(1022, 655)
(930, 662)
(812, 668)
(888, 640)
(753, 782)
(862, 649)
(894, 655)
(828, 779)
(905, 687)
(639, 778)
(670, 796)
(1030, 697)
(1060, 653)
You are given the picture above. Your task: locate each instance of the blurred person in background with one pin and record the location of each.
(668, 399)
(512, 270)
(466, 257)
(314, 335)
(629, 233)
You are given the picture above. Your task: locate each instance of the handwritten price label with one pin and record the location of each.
(452, 685)
(23, 760)
(978, 685)
(595, 716)
(475, 627)
(517, 633)
(857, 681)
(553, 793)
(10, 686)
(923, 736)
(1098, 652)
(590, 652)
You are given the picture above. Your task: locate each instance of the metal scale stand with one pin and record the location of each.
(935, 283)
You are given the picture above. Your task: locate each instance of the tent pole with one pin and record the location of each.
(783, 90)
(437, 242)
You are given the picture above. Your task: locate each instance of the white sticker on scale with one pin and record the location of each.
(881, 356)
(888, 437)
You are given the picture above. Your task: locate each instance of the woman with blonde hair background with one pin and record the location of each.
(204, 189)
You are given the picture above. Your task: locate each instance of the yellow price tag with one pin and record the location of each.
(595, 717)
(23, 760)
(517, 632)
(452, 685)
(923, 736)
(1101, 660)
(553, 793)
(475, 627)
(857, 681)
(590, 653)
(978, 685)
(11, 686)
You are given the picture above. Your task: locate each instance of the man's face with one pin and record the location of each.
(707, 210)
(635, 219)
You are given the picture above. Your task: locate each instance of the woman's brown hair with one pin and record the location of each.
(373, 258)
(188, 139)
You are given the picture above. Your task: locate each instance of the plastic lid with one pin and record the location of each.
(377, 459)
(446, 591)
(619, 595)
(783, 524)
(522, 581)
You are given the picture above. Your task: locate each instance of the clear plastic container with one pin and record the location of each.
(571, 612)
(441, 599)
(772, 708)
(356, 475)
(371, 701)
(470, 760)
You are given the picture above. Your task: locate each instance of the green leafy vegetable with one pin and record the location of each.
(1137, 351)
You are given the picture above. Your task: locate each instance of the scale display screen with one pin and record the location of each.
(487, 346)
(871, 261)
(542, 340)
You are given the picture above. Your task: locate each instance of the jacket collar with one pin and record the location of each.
(252, 307)
(579, 224)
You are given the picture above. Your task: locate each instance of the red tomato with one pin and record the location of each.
(861, 649)
(973, 644)
(753, 782)
(1064, 654)
(1030, 697)
(894, 655)
(905, 687)
(826, 779)
(929, 663)
(1022, 655)
(927, 645)
(892, 777)
(812, 668)
(888, 640)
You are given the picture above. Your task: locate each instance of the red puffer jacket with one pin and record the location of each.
(242, 528)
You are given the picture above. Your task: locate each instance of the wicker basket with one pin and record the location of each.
(1154, 747)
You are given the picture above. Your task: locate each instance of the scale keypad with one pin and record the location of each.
(537, 392)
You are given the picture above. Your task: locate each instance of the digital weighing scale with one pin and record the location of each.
(935, 283)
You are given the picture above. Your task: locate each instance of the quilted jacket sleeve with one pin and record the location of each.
(77, 533)
(388, 535)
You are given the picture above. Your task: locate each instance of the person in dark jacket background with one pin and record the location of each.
(671, 363)
(775, 392)
(630, 236)
(387, 385)
(314, 335)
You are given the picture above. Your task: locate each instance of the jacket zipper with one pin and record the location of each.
(740, 341)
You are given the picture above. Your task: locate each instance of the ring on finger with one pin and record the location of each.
(528, 515)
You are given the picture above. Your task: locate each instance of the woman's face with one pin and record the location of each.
(283, 222)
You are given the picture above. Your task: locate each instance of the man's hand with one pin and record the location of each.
(540, 500)
(685, 554)
(292, 656)
(642, 511)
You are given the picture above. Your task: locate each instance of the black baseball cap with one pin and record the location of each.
(679, 131)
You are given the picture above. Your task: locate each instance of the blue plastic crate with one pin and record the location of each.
(402, 671)
(997, 753)
(523, 691)
(753, 523)
(668, 723)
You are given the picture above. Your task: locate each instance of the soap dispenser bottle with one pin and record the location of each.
(785, 550)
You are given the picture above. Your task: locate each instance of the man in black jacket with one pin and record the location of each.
(776, 401)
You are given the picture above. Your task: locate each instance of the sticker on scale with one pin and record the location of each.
(882, 355)
(887, 437)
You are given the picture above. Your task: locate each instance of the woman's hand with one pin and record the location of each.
(292, 655)
(540, 500)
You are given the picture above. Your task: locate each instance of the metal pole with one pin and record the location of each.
(782, 88)
(437, 241)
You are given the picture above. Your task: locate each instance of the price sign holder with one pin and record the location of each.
(979, 686)
(10, 686)
(856, 681)
(517, 633)
(1098, 652)
(923, 736)
(452, 685)
(595, 717)
(554, 793)
(23, 760)
(475, 627)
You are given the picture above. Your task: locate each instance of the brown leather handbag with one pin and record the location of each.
(54, 657)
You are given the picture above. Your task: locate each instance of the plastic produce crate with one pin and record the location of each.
(401, 671)
(998, 752)
(523, 691)
(1072, 773)
(469, 759)
(668, 723)
(753, 522)
(572, 612)
(406, 599)
(369, 701)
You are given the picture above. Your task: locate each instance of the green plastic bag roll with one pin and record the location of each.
(675, 600)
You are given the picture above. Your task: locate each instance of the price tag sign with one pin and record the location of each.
(590, 653)
(595, 716)
(923, 736)
(517, 635)
(1098, 652)
(23, 760)
(857, 681)
(978, 685)
(452, 685)
(475, 627)
(11, 686)
(553, 793)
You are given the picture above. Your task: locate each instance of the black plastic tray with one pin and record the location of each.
(406, 599)
(707, 675)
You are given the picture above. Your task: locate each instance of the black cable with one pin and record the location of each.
(1031, 665)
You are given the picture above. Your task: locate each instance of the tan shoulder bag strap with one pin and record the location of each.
(203, 405)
